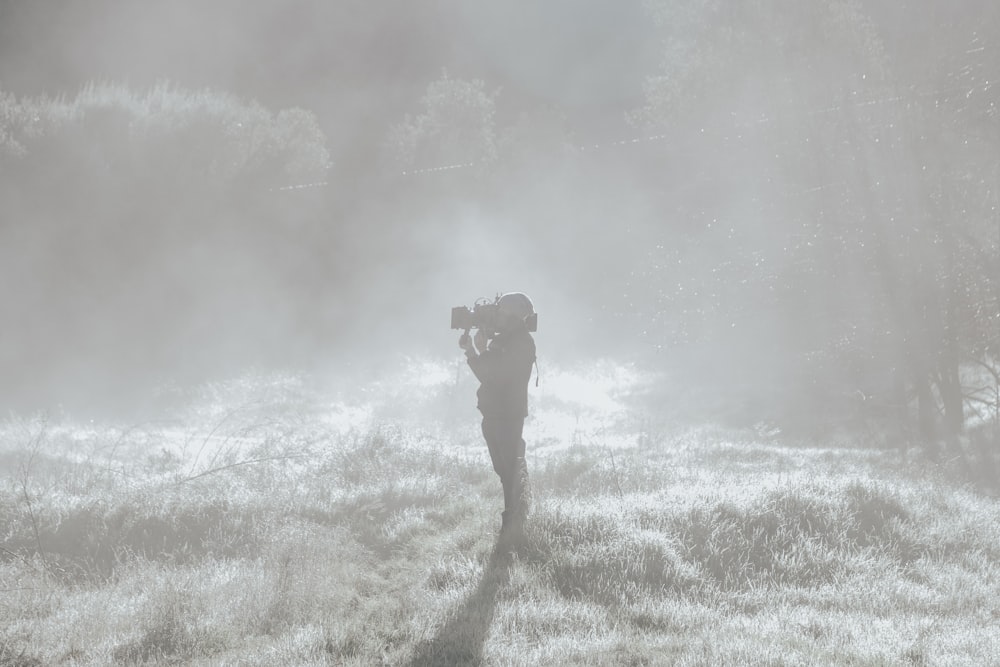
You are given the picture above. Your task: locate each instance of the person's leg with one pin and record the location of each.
(495, 443)
(515, 473)
(503, 438)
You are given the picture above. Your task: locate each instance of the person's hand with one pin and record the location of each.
(465, 341)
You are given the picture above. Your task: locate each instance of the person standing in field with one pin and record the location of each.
(502, 361)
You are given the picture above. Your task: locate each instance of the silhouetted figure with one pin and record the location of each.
(502, 363)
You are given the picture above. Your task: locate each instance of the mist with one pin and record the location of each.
(714, 195)
(762, 241)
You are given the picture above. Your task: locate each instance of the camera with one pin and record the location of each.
(484, 315)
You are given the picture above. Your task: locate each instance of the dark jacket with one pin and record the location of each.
(504, 370)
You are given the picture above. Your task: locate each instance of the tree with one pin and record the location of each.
(456, 127)
(849, 194)
(749, 94)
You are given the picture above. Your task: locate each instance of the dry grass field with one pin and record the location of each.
(265, 522)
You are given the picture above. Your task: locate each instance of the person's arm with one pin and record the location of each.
(473, 348)
(476, 353)
(503, 368)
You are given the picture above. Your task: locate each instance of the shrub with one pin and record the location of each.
(165, 137)
(456, 127)
(122, 205)
(14, 123)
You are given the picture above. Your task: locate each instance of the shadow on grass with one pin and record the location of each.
(461, 639)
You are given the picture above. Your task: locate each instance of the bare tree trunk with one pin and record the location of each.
(950, 386)
(926, 405)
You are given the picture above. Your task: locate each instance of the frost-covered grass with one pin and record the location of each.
(266, 523)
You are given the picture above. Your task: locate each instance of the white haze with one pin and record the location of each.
(611, 257)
